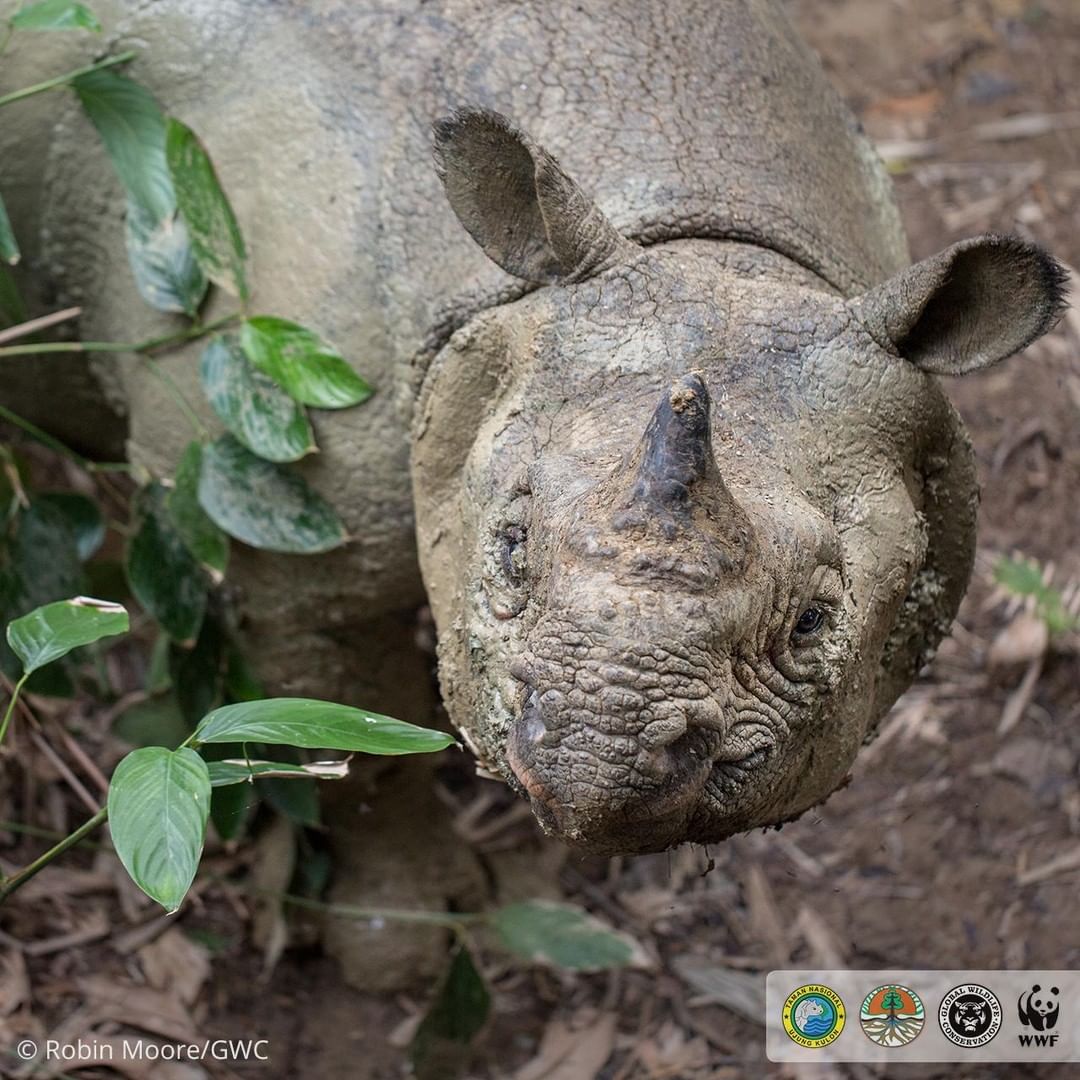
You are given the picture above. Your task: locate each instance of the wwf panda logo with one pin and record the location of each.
(1038, 1008)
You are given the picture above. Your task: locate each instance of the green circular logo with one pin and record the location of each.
(813, 1015)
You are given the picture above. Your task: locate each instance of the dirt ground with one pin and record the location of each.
(957, 843)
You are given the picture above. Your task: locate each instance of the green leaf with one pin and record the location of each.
(309, 369)
(1020, 576)
(564, 935)
(252, 406)
(164, 575)
(263, 504)
(158, 804)
(456, 1015)
(133, 130)
(166, 272)
(201, 536)
(83, 516)
(215, 235)
(157, 721)
(55, 15)
(52, 631)
(9, 247)
(39, 564)
(317, 725)
(239, 771)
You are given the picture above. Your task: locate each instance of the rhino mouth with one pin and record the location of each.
(615, 784)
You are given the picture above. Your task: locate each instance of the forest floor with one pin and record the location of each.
(957, 843)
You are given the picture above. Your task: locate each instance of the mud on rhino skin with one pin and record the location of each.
(691, 505)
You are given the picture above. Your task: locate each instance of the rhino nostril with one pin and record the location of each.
(523, 669)
(663, 732)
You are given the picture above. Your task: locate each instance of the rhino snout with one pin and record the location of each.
(611, 761)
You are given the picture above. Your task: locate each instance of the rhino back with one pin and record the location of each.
(683, 119)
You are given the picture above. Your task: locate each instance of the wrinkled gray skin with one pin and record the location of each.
(692, 507)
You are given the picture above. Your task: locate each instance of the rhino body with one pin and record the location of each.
(690, 505)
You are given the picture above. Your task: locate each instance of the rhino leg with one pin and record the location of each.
(381, 858)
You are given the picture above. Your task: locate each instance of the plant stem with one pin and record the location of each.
(192, 333)
(44, 834)
(60, 448)
(456, 921)
(21, 877)
(63, 80)
(11, 705)
(25, 329)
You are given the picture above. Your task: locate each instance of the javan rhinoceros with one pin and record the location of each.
(658, 399)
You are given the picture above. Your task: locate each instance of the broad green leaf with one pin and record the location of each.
(316, 725)
(164, 575)
(252, 406)
(203, 538)
(166, 272)
(52, 631)
(158, 804)
(312, 372)
(9, 247)
(564, 935)
(83, 516)
(133, 130)
(55, 15)
(215, 235)
(157, 721)
(456, 1015)
(238, 771)
(264, 504)
(39, 564)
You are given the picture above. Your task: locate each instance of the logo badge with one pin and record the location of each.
(813, 1015)
(969, 1015)
(892, 1015)
(1038, 1009)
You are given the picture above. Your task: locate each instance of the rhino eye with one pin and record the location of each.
(809, 622)
(512, 553)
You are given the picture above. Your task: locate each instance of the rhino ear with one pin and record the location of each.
(967, 307)
(517, 204)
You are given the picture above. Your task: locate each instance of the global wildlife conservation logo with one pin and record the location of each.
(892, 1015)
(969, 1015)
(813, 1015)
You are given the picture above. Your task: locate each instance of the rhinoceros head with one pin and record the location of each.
(689, 519)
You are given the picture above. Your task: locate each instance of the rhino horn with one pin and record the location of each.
(674, 472)
(676, 456)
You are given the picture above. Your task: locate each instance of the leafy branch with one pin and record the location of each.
(159, 799)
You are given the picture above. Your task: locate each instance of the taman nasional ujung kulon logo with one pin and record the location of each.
(892, 1015)
(813, 1015)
